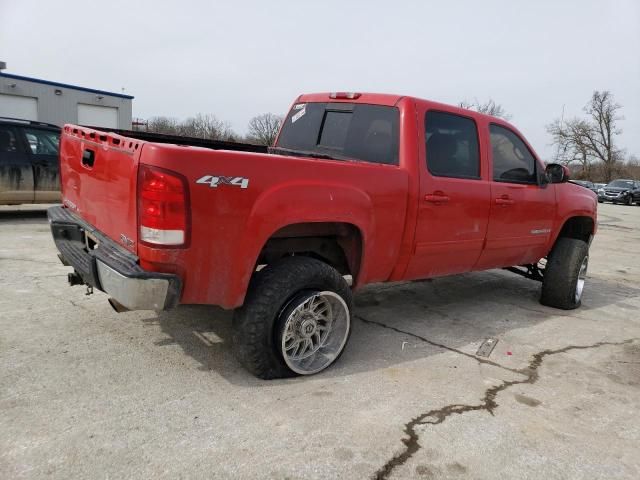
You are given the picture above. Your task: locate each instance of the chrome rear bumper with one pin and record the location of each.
(109, 267)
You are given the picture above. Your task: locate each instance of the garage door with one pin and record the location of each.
(15, 106)
(97, 116)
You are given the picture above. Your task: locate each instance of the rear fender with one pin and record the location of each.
(294, 203)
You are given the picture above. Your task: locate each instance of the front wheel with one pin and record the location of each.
(565, 274)
(629, 201)
(296, 319)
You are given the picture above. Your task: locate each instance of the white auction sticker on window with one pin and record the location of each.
(298, 115)
(298, 106)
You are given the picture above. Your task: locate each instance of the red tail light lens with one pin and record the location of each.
(163, 207)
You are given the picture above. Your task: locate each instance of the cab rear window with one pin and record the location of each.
(346, 131)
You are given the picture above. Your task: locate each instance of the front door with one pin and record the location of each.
(454, 204)
(522, 206)
(43, 152)
(16, 173)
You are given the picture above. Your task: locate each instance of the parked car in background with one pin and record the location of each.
(620, 191)
(600, 185)
(586, 184)
(29, 171)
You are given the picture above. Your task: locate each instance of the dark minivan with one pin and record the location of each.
(29, 171)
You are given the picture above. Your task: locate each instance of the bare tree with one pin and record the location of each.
(632, 167)
(264, 128)
(602, 113)
(165, 125)
(205, 126)
(200, 126)
(591, 139)
(490, 107)
(570, 140)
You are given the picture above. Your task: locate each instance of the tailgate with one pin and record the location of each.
(98, 172)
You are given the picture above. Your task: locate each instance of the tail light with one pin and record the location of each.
(163, 207)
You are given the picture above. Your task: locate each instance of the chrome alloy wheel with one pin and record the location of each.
(314, 332)
(582, 275)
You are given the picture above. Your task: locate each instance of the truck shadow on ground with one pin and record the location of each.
(37, 215)
(452, 311)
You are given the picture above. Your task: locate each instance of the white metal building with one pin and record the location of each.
(59, 103)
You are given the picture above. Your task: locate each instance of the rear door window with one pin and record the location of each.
(42, 142)
(452, 145)
(346, 131)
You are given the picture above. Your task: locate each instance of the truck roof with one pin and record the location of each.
(375, 98)
(389, 99)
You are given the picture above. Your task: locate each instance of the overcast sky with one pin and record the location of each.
(240, 58)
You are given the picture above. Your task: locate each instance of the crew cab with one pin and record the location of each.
(358, 188)
(28, 162)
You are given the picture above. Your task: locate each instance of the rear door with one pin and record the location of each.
(522, 205)
(16, 173)
(453, 207)
(42, 145)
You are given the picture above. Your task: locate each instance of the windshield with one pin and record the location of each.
(343, 131)
(621, 184)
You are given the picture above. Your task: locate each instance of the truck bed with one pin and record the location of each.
(183, 140)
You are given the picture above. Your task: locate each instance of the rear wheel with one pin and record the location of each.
(565, 274)
(313, 331)
(296, 319)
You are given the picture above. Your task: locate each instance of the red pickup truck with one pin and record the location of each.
(358, 188)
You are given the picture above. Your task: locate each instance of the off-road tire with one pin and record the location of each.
(561, 273)
(256, 324)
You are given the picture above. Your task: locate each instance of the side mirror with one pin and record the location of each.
(557, 173)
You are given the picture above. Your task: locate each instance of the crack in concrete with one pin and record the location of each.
(488, 403)
(438, 345)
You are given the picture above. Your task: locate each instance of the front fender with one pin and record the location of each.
(574, 201)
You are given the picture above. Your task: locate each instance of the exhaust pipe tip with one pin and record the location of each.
(117, 306)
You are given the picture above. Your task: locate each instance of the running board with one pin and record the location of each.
(532, 272)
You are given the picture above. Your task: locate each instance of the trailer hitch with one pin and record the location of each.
(75, 279)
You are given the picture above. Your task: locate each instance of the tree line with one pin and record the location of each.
(588, 143)
(262, 129)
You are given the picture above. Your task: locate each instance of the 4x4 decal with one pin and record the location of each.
(216, 180)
